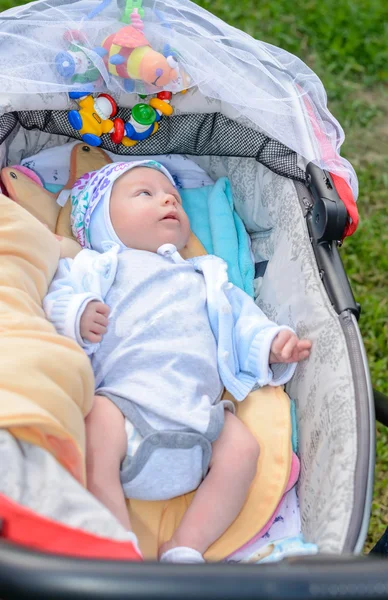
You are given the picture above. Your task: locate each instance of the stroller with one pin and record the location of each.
(244, 110)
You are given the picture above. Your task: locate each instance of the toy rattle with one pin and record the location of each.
(95, 118)
(145, 117)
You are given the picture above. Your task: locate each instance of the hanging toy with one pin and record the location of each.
(162, 104)
(128, 55)
(182, 81)
(145, 117)
(94, 118)
(74, 62)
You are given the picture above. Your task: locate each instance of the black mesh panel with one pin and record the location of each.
(7, 124)
(195, 134)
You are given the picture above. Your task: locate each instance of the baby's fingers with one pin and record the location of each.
(302, 350)
(94, 338)
(102, 309)
(97, 328)
(303, 355)
(101, 319)
(280, 341)
(289, 349)
(304, 345)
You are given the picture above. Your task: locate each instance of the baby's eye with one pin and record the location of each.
(144, 193)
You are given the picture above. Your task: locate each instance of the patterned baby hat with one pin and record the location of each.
(89, 190)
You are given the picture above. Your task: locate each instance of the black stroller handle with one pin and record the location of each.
(381, 407)
(28, 574)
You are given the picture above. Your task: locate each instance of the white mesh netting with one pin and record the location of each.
(51, 47)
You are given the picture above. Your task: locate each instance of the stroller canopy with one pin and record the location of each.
(45, 44)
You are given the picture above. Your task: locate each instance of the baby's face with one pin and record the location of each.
(146, 211)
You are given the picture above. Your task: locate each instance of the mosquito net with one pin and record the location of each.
(51, 47)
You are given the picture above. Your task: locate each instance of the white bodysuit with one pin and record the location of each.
(159, 360)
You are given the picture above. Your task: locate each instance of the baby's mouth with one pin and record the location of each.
(171, 216)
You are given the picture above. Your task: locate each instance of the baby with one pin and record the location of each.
(165, 335)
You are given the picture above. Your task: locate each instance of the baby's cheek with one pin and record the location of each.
(186, 225)
(142, 223)
(119, 213)
(144, 218)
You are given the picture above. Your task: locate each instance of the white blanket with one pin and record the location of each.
(53, 167)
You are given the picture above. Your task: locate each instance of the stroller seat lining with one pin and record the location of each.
(291, 292)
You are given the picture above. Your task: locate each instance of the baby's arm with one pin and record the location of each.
(77, 283)
(65, 301)
(266, 350)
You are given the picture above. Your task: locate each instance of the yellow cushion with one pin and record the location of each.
(266, 412)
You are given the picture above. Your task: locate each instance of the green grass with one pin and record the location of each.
(345, 43)
(367, 266)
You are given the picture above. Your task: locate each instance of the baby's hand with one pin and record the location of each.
(288, 348)
(94, 321)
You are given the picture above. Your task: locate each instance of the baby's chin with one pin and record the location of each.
(176, 239)
(153, 245)
(182, 242)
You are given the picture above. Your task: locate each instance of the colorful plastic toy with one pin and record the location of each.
(162, 103)
(145, 117)
(128, 55)
(142, 124)
(95, 118)
(74, 63)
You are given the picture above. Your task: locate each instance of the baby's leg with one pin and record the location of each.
(106, 446)
(222, 494)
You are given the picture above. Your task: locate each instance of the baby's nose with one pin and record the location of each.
(169, 199)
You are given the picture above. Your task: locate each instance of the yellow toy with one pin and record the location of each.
(95, 118)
